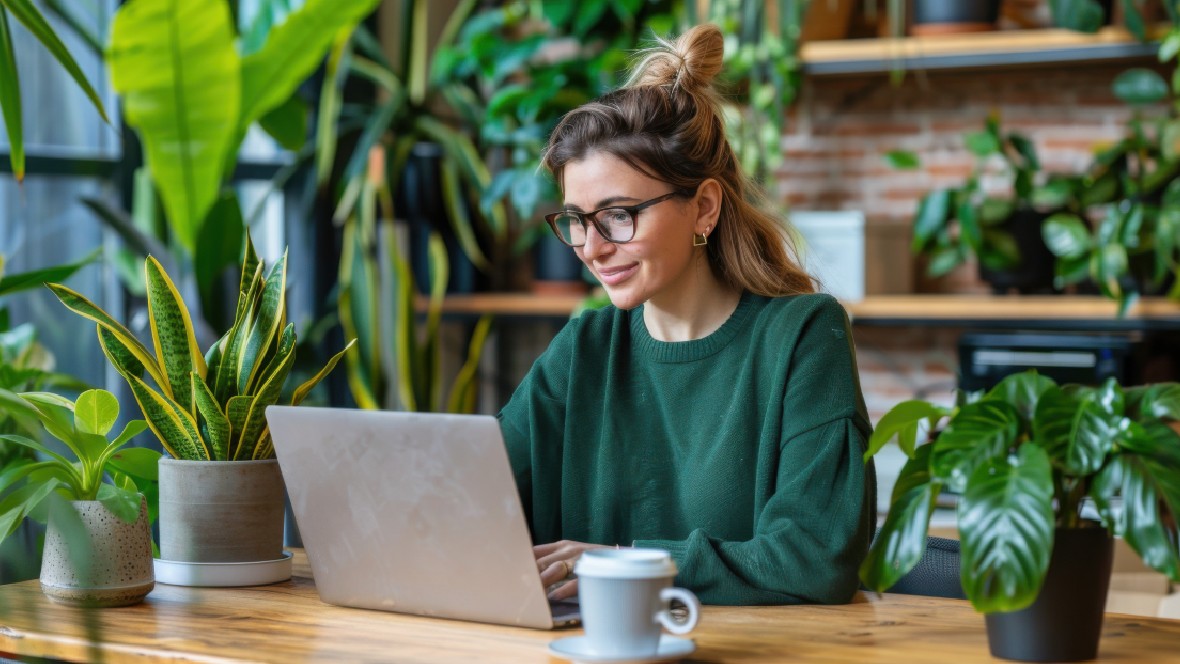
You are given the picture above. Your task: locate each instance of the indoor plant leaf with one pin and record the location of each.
(137, 461)
(216, 422)
(979, 433)
(1144, 483)
(10, 100)
(1075, 431)
(303, 390)
(900, 543)
(122, 503)
(903, 421)
(176, 66)
(95, 411)
(1022, 390)
(1006, 525)
(172, 333)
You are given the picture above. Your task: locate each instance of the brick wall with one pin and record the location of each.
(841, 128)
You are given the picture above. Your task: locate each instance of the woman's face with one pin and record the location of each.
(657, 260)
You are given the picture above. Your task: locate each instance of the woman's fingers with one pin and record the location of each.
(565, 591)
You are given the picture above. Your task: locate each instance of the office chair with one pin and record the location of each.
(936, 574)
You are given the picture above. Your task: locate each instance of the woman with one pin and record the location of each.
(714, 410)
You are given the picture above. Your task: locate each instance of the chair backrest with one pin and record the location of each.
(936, 574)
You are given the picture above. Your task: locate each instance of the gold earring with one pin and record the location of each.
(700, 239)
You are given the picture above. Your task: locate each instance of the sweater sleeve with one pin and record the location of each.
(812, 532)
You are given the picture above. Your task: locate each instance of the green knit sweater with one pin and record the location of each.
(740, 452)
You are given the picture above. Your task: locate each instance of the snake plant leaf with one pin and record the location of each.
(267, 395)
(1006, 524)
(265, 325)
(980, 432)
(215, 420)
(1075, 432)
(250, 269)
(10, 100)
(225, 382)
(175, 427)
(900, 543)
(904, 421)
(83, 307)
(265, 448)
(459, 215)
(328, 114)
(172, 333)
(292, 51)
(178, 70)
(236, 410)
(303, 390)
(439, 269)
(357, 305)
(96, 411)
(463, 393)
(219, 246)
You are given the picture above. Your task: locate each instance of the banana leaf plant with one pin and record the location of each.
(207, 406)
(397, 365)
(1023, 457)
(101, 470)
(191, 88)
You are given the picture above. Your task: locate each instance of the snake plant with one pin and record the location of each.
(210, 406)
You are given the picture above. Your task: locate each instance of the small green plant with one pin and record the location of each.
(213, 406)
(1023, 457)
(82, 426)
(954, 223)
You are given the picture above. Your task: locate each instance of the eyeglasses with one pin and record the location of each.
(615, 224)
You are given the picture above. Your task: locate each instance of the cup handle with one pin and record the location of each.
(689, 600)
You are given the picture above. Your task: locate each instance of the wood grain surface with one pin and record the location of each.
(287, 622)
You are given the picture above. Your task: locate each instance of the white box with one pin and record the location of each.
(832, 248)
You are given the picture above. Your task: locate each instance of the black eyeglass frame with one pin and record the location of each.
(632, 210)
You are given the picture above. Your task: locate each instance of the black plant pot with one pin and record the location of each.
(420, 202)
(932, 16)
(1065, 622)
(1034, 273)
(556, 268)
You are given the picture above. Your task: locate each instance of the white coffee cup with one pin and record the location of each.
(624, 596)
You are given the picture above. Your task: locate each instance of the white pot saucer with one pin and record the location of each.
(574, 648)
(225, 575)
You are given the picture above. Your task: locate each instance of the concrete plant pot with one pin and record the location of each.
(221, 511)
(98, 560)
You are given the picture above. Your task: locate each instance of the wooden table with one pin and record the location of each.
(286, 622)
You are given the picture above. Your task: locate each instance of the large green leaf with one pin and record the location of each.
(1075, 431)
(1006, 525)
(122, 503)
(979, 433)
(292, 52)
(172, 333)
(1022, 390)
(904, 421)
(176, 66)
(138, 462)
(10, 100)
(902, 539)
(933, 214)
(219, 246)
(1138, 86)
(1145, 485)
(95, 411)
(1066, 235)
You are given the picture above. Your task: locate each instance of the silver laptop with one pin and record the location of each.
(412, 512)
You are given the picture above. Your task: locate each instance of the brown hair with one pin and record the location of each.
(667, 123)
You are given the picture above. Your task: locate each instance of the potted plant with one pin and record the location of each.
(1024, 457)
(221, 493)
(1125, 236)
(98, 549)
(1002, 232)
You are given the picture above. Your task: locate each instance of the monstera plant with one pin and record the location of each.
(1024, 458)
(207, 406)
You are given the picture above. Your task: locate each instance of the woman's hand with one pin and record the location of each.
(556, 561)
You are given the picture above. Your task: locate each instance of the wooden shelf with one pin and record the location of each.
(981, 49)
(1056, 312)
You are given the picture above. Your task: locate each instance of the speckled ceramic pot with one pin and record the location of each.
(109, 562)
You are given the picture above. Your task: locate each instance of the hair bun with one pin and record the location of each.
(690, 62)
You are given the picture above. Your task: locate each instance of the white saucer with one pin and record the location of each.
(225, 575)
(574, 649)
